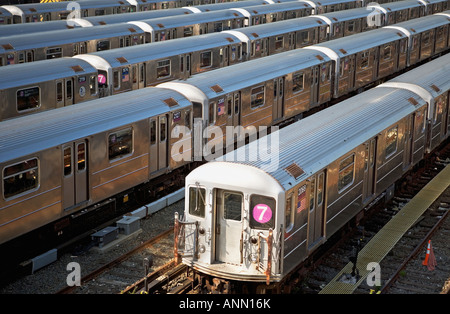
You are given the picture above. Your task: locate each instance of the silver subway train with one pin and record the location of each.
(134, 67)
(255, 219)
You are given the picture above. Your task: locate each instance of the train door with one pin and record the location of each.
(185, 65)
(316, 209)
(314, 84)
(447, 117)
(75, 173)
(228, 210)
(369, 169)
(278, 98)
(408, 151)
(158, 143)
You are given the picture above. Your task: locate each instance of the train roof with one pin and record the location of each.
(228, 5)
(423, 24)
(36, 132)
(135, 16)
(344, 15)
(191, 19)
(318, 140)
(61, 37)
(27, 74)
(254, 72)
(162, 49)
(276, 7)
(400, 5)
(358, 42)
(28, 28)
(270, 29)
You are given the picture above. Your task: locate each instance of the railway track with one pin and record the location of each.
(402, 270)
(125, 270)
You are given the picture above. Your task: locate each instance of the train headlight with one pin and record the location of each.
(252, 257)
(201, 248)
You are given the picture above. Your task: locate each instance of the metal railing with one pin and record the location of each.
(185, 239)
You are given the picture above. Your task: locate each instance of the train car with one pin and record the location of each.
(57, 44)
(41, 12)
(246, 219)
(46, 85)
(257, 93)
(136, 67)
(149, 65)
(52, 167)
(365, 58)
(427, 38)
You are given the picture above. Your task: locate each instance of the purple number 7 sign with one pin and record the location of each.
(262, 213)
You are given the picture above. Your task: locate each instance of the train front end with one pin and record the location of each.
(232, 225)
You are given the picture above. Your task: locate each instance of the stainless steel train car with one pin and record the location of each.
(136, 67)
(64, 83)
(107, 166)
(64, 43)
(41, 12)
(5, 17)
(247, 219)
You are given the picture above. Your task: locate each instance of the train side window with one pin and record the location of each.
(120, 143)
(262, 212)
(197, 201)
(28, 98)
(205, 59)
(20, 178)
(298, 81)
(102, 45)
(391, 141)
(53, 53)
(387, 52)
(346, 171)
(67, 161)
(232, 205)
(163, 68)
(279, 42)
(305, 37)
(257, 97)
(188, 31)
(364, 60)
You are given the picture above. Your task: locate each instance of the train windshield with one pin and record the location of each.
(262, 212)
(197, 201)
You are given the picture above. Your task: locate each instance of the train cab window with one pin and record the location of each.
(257, 97)
(205, 59)
(262, 210)
(163, 68)
(197, 201)
(120, 143)
(346, 171)
(391, 141)
(28, 98)
(298, 81)
(20, 178)
(232, 205)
